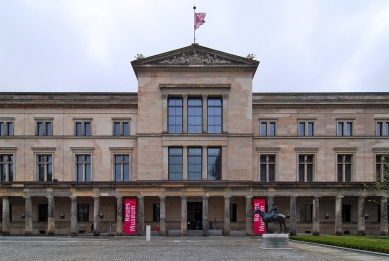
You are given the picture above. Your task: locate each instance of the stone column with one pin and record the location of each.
(184, 215)
(119, 217)
(184, 113)
(205, 113)
(164, 112)
(293, 216)
(5, 228)
(205, 216)
(338, 216)
(384, 217)
(361, 216)
(28, 216)
(270, 199)
(184, 162)
(96, 215)
(141, 216)
(73, 217)
(204, 171)
(227, 214)
(225, 112)
(315, 217)
(51, 216)
(162, 215)
(249, 215)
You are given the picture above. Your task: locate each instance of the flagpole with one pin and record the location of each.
(194, 24)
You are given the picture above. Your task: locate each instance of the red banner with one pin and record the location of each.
(130, 217)
(259, 225)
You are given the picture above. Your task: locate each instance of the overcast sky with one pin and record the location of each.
(87, 45)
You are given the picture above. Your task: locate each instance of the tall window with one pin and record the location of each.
(267, 167)
(194, 163)
(214, 115)
(382, 167)
(175, 163)
(6, 129)
(83, 128)
(156, 212)
(84, 168)
(214, 163)
(175, 115)
(346, 213)
(306, 128)
(44, 128)
(344, 168)
(345, 128)
(233, 213)
(268, 129)
(382, 128)
(122, 167)
(306, 213)
(195, 115)
(45, 167)
(83, 212)
(6, 168)
(121, 128)
(43, 212)
(306, 168)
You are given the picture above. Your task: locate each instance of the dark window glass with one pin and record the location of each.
(194, 163)
(301, 173)
(267, 167)
(43, 211)
(306, 213)
(82, 212)
(6, 129)
(344, 169)
(78, 128)
(340, 128)
(195, 115)
(263, 129)
(272, 129)
(156, 213)
(379, 129)
(49, 129)
(233, 213)
(175, 115)
(302, 129)
(387, 129)
(214, 164)
(116, 128)
(349, 129)
(310, 128)
(346, 213)
(87, 129)
(214, 115)
(175, 163)
(45, 167)
(6, 167)
(40, 128)
(126, 128)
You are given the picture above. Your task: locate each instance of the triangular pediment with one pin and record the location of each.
(194, 54)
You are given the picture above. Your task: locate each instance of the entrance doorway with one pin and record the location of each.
(195, 215)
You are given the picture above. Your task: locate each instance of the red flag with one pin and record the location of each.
(199, 19)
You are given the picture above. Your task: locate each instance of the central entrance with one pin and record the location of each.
(195, 215)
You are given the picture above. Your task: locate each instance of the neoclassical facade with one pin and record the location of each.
(194, 145)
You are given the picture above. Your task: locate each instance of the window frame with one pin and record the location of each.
(305, 165)
(171, 165)
(344, 129)
(7, 123)
(191, 116)
(79, 151)
(121, 121)
(85, 215)
(156, 212)
(306, 213)
(210, 165)
(344, 164)
(46, 164)
(306, 123)
(39, 151)
(268, 151)
(383, 165)
(190, 157)
(175, 116)
(268, 122)
(83, 122)
(115, 151)
(43, 212)
(9, 166)
(45, 121)
(383, 129)
(214, 115)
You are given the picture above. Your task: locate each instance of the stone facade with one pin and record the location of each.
(75, 157)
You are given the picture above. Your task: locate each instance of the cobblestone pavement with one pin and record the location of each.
(166, 248)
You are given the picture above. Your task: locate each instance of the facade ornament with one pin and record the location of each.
(225, 96)
(185, 97)
(165, 96)
(205, 97)
(139, 56)
(250, 56)
(195, 58)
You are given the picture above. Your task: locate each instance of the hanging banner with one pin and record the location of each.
(259, 225)
(130, 216)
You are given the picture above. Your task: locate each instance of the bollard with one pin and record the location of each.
(147, 233)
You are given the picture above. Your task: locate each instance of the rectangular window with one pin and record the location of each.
(344, 169)
(382, 167)
(44, 128)
(306, 128)
(195, 115)
(83, 128)
(6, 168)
(233, 213)
(175, 163)
(306, 213)
(121, 128)
(45, 167)
(306, 168)
(82, 212)
(194, 163)
(214, 163)
(382, 129)
(175, 115)
(267, 167)
(215, 115)
(122, 167)
(84, 167)
(43, 212)
(156, 213)
(6, 129)
(268, 129)
(345, 128)
(346, 213)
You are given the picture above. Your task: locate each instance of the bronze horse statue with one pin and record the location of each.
(267, 218)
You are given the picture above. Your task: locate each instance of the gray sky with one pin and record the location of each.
(87, 45)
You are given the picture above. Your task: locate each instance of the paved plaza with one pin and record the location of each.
(165, 248)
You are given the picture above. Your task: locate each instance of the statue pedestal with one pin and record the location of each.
(275, 241)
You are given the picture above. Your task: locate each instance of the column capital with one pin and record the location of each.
(27, 197)
(205, 197)
(339, 196)
(362, 196)
(50, 196)
(162, 197)
(118, 197)
(294, 196)
(140, 197)
(184, 197)
(316, 197)
(227, 196)
(225, 96)
(165, 96)
(249, 197)
(204, 96)
(384, 197)
(185, 96)
(73, 198)
(96, 197)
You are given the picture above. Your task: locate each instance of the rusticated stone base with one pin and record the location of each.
(275, 241)
(28, 233)
(6, 234)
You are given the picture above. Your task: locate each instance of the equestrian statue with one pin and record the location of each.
(271, 217)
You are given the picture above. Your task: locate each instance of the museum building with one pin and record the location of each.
(192, 150)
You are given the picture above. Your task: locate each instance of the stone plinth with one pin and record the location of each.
(278, 241)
